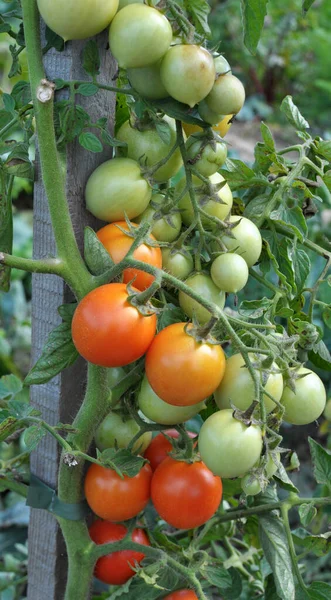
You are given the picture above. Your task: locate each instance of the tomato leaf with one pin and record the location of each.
(293, 114)
(320, 356)
(10, 385)
(122, 460)
(7, 427)
(284, 481)
(306, 4)
(321, 461)
(320, 545)
(87, 89)
(96, 256)
(179, 111)
(239, 175)
(91, 58)
(253, 14)
(228, 582)
(318, 590)
(90, 142)
(32, 436)
(53, 41)
(307, 513)
(275, 546)
(199, 11)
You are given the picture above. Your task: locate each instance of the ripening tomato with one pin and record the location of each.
(229, 272)
(116, 499)
(213, 207)
(165, 227)
(117, 431)
(246, 239)
(202, 284)
(221, 127)
(77, 19)
(115, 568)
(205, 156)
(227, 95)
(208, 115)
(221, 65)
(307, 403)
(182, 595)
(118, 244)
(250, 485)
(117, 189)
(188, 73)
(178, 263)
(160, 447)
(139, 36)
(185, 495)
(181, 370)
(108, 331)
(147, 81)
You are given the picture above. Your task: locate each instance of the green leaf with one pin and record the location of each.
(253, 14)
(293, 114)
(72, 120)
(268, 137)
(320, 356)
(259, 206)
(170, 314)
(7, 427)
(32, 436)
(306, 4)
(321, 458)
(324, 149)
(9, 103)
(53, 40)
(21, 93)
(199, 11)
(270, 590)
(90, 142)
(301, 265)
(291, 217)
(10, 385)
(228, 582)
(327, 317)
(91, 58)
(111, 141)
(87, 89)
(21, 410)
(18, 162)
(239, 175)
(255, 309)
(163, 130)
(275, 546)
(284, 481)
(123, 460)
(307, 513)
(319, 590)
(179, 111)
(319, 545)
(96, 256)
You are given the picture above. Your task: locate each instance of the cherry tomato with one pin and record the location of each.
(202, 284)
(77, 19)
(221, 65)
(139, 36)
(250, 485)
(123, 3)
(188, 73)
(221, 127)
(178, 263)
(117, 430)
(185, 495)
(147, 81)
(227, 446)
(108, 331)
(118, 245)
(182, 595)
(161, 412)
(116, 499)
(160, 447)
(307, 403)
(115, 568)
(247, 240)
(205, 157)
(229, 272)
(237, 385)
(165, 227)
(181, 370)
(211, 207)
(117, 189)
(146, 145)
(327, 411)
(227, 95)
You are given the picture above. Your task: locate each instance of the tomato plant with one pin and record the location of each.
(203, 285)
(229, 272)
(218, 207)
(165, 226)
(245, 239)
(178, 263)
(207, 156)
(306, 403)
(160, 447)
(118, 430)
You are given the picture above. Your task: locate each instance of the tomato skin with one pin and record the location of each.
(77, 19)
(202, 284)
(247, 239)
(238, 385)
(205, 158)
(146, 145)
(327, 410)
(222, 127)
(159, 448)
(162, 230)
(181, 370)
(147, 81)
(212, 207)
(108, 331)
(250, 485)
(123, 3)
(161, 412)
(116, 499)
(208, 115)
(182, 595)
(309, 400)
(117, 189)
(139, 36)
(221, 64)
(118, 431)
(179, 264)
(115, 568)
(227, 95)
(185, 495)
(188, 73)
(227, 446)
(229, 272)
(118, 244)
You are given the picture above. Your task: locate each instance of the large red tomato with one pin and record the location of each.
(159, 448)
(182, 595)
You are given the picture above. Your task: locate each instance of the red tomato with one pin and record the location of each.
(108, 331)
(185, 495)
(182, 595)
(181, 370)
(115, 568)
(118, 244)
(160, 447)
(116, 499)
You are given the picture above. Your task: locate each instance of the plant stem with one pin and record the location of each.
(14, 486)
(53, 266)
(284, 512)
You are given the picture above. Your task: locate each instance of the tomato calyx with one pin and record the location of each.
(183, 447)
(142, 300)
(202, 334)
(246, 416)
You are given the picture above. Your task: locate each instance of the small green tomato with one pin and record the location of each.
(116, 430)
(227, 95)
(246, 239)
(166, 228)
(205, 156)
(178, 263)
(229, 272)
(307, 403)
(250, 485)
(327, 411)
(201, 284)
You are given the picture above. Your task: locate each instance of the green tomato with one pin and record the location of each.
(221, 65)
(307, 403)
(227, 446)
(208, 115)
(161, 412)
(201, 284)
(147, 146)
(123, 3)
(250, 485)
(77, 19)
(227, 96)
(247, 239)
(208, 157)
(117, 189)
(327, 411)
(211, 207)
(147, 81)
(165, 228)
(179, 263)
(229, 272)
(118, 431)
(237, 385)
(139, 36)
(188, 73)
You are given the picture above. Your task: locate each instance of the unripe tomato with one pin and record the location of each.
(185, 495)
(109, 331)
(181, 370)
(77, 19)
(117, 431)
(139, 36)
(116, 499)
(327, 411)
(165, 228)
(123, 3)
(208, 115)
(118, 245)
(229, 272)
(237, 385)
(161, 412)
(178, 263)
(250, 485)
(211, 207)
(115, 568)
(227, 95)
(221, 65)
(146, 145)
(117, 189)
(205, 158)
(182, 595)
(247, 239)
(222, 127)
(147, 81)
(227, 446)
(201, 284)
(160, 447)
(307, 403)
(188, 73)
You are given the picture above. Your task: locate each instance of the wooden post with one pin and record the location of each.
(60, 399)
